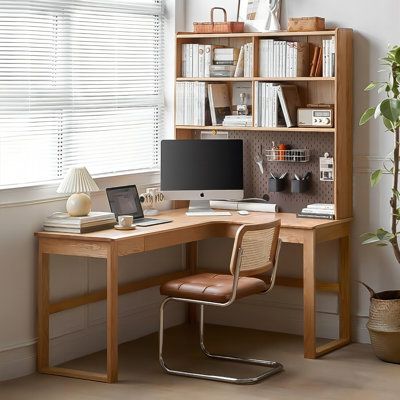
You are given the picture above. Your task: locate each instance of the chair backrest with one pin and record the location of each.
(258, 243)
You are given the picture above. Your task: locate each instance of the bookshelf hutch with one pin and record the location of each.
(337, 140)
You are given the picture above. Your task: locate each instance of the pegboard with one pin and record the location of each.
(256, 184)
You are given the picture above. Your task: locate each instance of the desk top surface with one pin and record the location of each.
(181, 221)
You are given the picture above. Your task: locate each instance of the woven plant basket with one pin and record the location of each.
(384, 324)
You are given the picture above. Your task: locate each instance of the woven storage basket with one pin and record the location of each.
(218, 27)
(384, 324)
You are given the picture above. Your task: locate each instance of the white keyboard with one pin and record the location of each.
(208, 214)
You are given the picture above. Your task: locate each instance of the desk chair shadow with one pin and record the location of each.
(255, 252)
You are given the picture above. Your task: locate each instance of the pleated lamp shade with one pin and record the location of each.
(77, 180)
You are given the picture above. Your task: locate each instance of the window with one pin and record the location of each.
(80, 84)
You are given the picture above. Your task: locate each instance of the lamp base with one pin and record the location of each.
(79, 205)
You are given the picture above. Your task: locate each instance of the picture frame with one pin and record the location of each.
(259, 15)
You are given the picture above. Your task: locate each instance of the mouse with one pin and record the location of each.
(243, 212)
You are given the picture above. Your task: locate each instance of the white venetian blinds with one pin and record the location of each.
(80, 84)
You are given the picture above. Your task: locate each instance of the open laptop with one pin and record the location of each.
(124, 200)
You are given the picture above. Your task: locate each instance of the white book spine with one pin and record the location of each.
(190, 63)
(271, 58)
(255, 113)
(276, 59)
(263, 104)
(333, 56)
(201, 60)
(178, 105)
(284, 58)
(196, 107)
(246, 60)
(195, 60)
(183, 68)
(274, 106)
(262, 66)
(324, 63)
(251, 60)
(207, 60)
(295, 58)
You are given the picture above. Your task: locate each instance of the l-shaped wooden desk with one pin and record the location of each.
(110, 244)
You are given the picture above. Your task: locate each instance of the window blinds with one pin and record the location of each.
(80, 84)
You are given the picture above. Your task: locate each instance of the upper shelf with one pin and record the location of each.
(191, 35)
(252, 128)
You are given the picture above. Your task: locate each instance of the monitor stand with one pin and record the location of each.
(198, 208)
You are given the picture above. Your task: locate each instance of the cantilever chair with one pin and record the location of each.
(255, 252)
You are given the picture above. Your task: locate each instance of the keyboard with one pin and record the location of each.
(208, 214)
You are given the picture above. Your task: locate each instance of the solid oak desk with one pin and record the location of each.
(110, 244)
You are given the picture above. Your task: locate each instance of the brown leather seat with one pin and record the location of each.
(211, 287)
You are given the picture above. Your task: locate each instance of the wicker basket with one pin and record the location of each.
(218, 27)
(384, 324)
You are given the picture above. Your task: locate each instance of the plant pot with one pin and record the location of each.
(384, 324)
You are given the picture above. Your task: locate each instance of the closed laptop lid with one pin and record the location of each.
(124, 200)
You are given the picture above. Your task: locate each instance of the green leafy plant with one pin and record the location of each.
(388, 110)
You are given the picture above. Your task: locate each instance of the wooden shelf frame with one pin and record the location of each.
(333, 90)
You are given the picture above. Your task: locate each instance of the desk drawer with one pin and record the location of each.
(130, 246)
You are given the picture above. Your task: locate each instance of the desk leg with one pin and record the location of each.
(309, 249)
(43, 311)
(191, 266)
(344, 290)
(112, 314)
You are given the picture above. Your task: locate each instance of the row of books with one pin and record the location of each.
(279, 58)
(192, 104)
(207, 60)
(95, 221)
(275, 105)
(318, 210)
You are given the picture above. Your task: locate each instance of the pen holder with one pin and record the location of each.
(276, 185)
(300, 186)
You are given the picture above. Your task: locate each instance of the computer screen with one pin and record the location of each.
(202, 169)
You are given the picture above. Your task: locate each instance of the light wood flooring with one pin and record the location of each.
(351, 373)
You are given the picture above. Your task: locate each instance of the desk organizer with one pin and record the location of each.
(276, 185)
(300, 186)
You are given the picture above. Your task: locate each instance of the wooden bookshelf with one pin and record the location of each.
(335, 90)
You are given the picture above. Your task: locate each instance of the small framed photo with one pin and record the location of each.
(259, 15)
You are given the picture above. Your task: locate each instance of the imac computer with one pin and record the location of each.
(202, 170)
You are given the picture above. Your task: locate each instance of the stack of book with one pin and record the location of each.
(63, 222)
(318, 210)
(275, 105)
(279, 58)
(192, 104)
(224, 62)
(237, 120)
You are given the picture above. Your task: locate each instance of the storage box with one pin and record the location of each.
(218, 27)
(306, 24)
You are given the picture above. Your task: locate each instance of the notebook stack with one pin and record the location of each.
(95, 221)
(318, 210)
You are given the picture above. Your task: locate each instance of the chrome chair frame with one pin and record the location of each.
(273, 366)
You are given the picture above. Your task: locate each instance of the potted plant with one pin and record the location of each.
(384, 314)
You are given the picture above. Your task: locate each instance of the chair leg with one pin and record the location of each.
(273, 367)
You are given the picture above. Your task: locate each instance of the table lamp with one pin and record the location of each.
(78, 182)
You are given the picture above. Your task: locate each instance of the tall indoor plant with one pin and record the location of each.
(384, 315)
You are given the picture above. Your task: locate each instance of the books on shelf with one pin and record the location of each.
(237, 120)
(328, 62)
(275, 105)
(220, 105)
(196, 60)
(95, 221)
(318, 210)
(192, 104)
(280, 58)
(248, 60)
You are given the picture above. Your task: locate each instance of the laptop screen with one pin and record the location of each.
(124, 200)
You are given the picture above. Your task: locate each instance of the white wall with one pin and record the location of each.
(375, 26)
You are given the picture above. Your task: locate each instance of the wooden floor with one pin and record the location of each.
(347, 374)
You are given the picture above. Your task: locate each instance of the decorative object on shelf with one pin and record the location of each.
(78, 182)
(306, 24)
(260, 15)
(150, 200)
(384, 314)
(293, 155)
(326, 168)
(214, 135)
(315, 115)
(218, 27)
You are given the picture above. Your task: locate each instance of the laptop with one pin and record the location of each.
(124, 200)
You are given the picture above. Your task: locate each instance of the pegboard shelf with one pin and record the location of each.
(251, 128)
